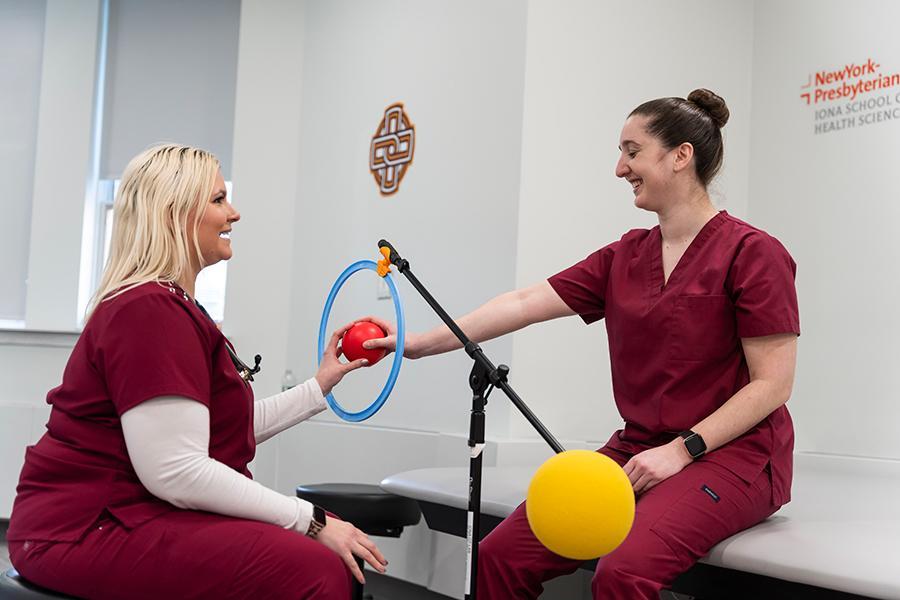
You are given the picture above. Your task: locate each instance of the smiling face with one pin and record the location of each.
(646, 165)
(214, 229)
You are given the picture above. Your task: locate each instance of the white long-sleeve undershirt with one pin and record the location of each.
(168, 443)
(276, 413)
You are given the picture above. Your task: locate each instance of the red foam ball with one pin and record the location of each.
(352, 342)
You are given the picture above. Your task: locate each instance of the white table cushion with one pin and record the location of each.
(841, 531)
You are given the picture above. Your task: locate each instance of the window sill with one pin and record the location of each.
(37, 338)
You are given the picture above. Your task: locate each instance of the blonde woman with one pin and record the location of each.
(140, 487)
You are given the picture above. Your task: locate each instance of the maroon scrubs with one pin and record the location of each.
(676, 356)
(83, 523)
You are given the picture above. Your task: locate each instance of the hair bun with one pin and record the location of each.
(712, 104)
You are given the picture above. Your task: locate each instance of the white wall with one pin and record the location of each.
(833, 199)
(458, 67)
(266, 154)
(588, 65)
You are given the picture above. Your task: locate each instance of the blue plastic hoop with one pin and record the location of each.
(398, 353)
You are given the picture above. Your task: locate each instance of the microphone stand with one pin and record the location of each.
(482, 380)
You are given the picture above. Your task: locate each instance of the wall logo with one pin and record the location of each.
(852, 95)
(392, 149)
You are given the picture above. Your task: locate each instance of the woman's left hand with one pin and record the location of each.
(654, 466)
(332, 370)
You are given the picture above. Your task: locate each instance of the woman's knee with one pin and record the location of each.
(295, 567)
(490, 550)
(331, 578)
(617, 568)
(639, 568)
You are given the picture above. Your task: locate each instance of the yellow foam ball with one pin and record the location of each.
(580, 504)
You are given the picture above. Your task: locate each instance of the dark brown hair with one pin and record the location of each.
(697, 120)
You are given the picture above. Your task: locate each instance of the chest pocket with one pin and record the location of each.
(703, 328)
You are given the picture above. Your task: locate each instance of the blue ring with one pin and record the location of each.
(398, 353)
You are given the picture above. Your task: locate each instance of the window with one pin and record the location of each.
(21, 54)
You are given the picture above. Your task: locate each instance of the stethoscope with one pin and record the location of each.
(244, 370)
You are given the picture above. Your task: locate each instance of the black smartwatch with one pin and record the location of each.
(317, 522)
(695, 445)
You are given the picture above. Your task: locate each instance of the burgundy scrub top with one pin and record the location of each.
(675, 347)
(150, 341)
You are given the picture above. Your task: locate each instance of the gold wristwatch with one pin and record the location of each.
(317, 522)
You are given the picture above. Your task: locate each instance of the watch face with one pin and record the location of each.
(695, 445)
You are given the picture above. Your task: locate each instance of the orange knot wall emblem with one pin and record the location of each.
(392, 149)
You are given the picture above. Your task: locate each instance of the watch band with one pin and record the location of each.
(694, 443)
(317, 522)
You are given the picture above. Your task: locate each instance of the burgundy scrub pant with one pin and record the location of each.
(186, 555)
(675, 524)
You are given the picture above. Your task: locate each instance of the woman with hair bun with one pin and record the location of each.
(702, 319)
(140, 487)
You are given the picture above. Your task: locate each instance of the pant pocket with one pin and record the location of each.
(702, 517)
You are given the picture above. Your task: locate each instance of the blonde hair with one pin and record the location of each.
(159, 190)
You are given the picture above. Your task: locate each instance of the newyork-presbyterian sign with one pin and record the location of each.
(852, 96)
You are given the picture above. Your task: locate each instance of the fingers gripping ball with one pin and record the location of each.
(352, 342)
(580, 504)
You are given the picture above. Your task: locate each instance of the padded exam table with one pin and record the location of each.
(839, 538)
